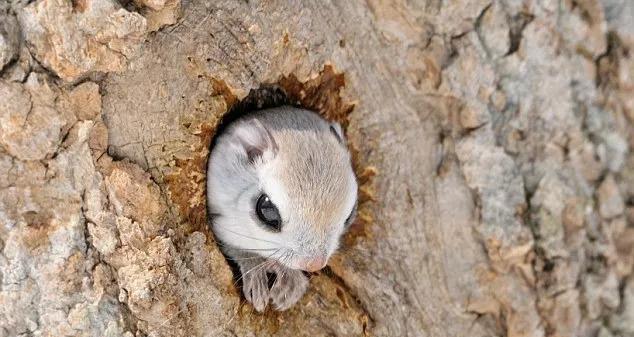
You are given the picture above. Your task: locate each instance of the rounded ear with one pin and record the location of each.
(335, 129)
(256, 140)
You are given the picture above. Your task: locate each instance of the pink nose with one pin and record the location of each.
(313, 264)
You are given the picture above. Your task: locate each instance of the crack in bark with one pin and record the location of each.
(330, 273)
(517, 25)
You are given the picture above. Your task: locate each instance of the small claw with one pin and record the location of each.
(288, 290)
(259, 305)
(256, 291)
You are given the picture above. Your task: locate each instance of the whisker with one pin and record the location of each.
(242, 275)
(281, 276)
(288, 256)
(264, 264)
(219, 243)
(244, 258)
(247, 236)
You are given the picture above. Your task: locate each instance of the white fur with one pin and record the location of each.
(305, 171)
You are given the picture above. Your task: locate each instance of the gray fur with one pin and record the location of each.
(301, 161)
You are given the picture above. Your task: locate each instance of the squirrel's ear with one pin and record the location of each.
(255, 139)
(335, 129)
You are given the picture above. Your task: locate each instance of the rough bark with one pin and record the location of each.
(492, 140)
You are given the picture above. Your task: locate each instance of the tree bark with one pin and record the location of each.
(492, 140)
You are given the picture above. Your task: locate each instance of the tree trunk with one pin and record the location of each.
(492, 140)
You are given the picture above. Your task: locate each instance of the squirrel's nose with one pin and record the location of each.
(313, 264)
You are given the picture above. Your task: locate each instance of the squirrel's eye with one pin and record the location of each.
(268, 213)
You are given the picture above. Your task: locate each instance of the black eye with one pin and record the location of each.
(268, 213)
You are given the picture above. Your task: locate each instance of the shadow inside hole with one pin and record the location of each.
(271, 278)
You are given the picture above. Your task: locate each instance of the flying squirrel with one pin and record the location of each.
(281, 191)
